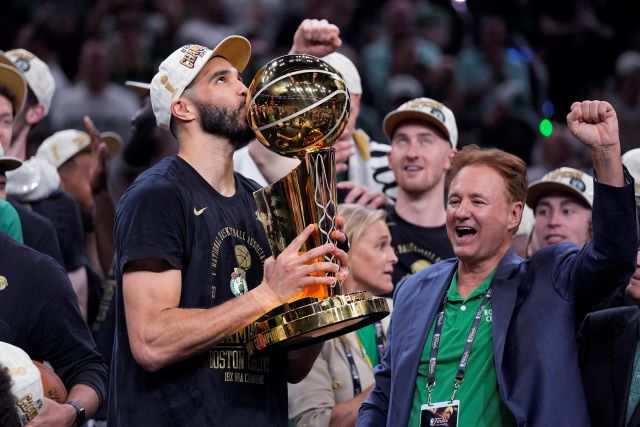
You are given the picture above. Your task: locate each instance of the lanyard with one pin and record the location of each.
(381, 340)
(466, 354)
(355, 377)
(381, 343)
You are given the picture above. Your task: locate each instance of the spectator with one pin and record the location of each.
(423, 136)
(342, 375)
(510, 359)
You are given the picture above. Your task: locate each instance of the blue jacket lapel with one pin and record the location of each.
(431, 290)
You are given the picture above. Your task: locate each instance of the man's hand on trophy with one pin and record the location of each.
(316, 37)
(292, 271)
(362, 196)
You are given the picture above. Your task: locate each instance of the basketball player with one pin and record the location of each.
(193, 265)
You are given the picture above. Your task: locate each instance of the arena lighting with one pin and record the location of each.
(546, 128)
(459, 6)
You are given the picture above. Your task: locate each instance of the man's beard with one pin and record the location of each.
(223, 122)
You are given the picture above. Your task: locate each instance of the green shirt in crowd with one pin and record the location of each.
(480, 402)
(367, 338)
(10, 221)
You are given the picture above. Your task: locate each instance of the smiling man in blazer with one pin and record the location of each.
(489, 333)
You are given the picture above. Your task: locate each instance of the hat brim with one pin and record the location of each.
(538, 189)
(113, 141)
(394, 118)
(8, 163)
(139, 88)
(235, 49)
(11, 78)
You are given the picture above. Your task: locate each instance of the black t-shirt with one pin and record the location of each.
(39, 313)
(64, 213)
(38, 232)
(416, 247)
(171, 213)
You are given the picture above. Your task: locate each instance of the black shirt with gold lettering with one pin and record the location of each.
(416, 247)
(172, 213)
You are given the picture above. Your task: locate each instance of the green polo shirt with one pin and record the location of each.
(480, 403)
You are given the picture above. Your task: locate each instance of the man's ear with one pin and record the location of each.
(183, 109)
(515, 216)
(449, 159)
(34, 114)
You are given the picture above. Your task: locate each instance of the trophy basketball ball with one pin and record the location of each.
(298, 105)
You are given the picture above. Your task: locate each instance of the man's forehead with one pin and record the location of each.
(477, 179)
(6, 106)
(418, 128)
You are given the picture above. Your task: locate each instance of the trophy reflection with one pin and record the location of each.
(298, 105)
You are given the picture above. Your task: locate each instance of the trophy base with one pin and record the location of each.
(308, 321)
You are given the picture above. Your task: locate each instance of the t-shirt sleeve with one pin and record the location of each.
(150, 223)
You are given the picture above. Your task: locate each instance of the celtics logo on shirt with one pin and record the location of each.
(238, 281)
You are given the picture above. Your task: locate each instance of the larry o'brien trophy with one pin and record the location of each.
(298, 105)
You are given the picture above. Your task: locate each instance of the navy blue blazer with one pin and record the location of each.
(607, 343)
(534, 314)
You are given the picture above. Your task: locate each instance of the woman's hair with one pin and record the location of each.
(357, 219)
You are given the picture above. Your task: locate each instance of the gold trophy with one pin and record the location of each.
(298, 105)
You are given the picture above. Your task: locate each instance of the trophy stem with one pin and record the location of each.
(323, 181)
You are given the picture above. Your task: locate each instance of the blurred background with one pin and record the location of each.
(509, 69)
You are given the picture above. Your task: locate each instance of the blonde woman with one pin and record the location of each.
(342, 375)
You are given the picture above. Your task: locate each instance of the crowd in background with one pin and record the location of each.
(503, 66)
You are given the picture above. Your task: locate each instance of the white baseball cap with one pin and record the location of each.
(26, 381)
(563, 180)
(64, 144)
(139, 88)
(183, 65)
(36, 179)
(631, 159)
(12, 78)
(526, 222)
(114, 142)
(349, 72)
(426, 110)
(36, 73)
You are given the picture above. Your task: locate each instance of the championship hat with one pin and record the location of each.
(12, 79)
(183, 65)
(563, 180)
(426, 110)
(36, 179)
(64, 144)
(26, 383)
(139, 88)
(631, 159)
(35, 72)
(347, 69)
